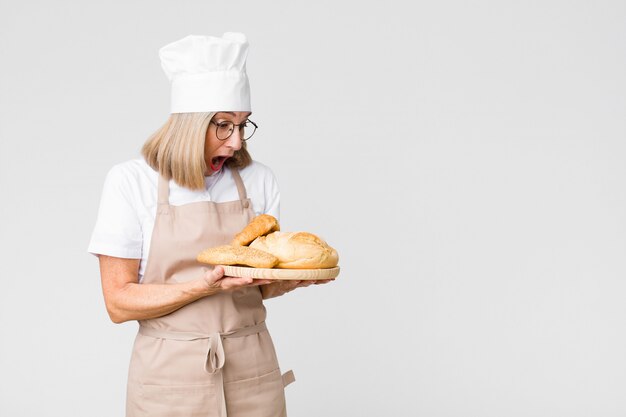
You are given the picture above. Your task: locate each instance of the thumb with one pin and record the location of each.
(215, 275)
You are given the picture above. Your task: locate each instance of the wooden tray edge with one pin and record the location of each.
(281, 274)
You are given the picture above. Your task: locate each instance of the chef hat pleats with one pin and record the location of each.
(207, 73)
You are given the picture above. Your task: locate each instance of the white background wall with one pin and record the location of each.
(465, 158)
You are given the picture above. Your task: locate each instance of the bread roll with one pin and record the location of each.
(259, 226)
(237, 255)
(297, 250)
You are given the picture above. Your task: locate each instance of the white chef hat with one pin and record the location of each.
(208, 73)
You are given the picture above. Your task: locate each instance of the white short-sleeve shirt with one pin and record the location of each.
(129, 203)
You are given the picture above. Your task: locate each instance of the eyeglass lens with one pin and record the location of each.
(226, 129)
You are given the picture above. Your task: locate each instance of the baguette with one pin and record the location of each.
(237, 255)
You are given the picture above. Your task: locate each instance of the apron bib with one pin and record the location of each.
(214, 356)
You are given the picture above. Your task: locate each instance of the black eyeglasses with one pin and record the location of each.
(226, 128)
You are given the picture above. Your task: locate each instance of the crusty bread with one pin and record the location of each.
(237, 255)
(259, 226)
(297, 250)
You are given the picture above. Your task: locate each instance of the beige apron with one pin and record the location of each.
(214, 356)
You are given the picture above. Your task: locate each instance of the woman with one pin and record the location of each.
(202, 346)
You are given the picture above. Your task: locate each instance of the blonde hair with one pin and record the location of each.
(176, 150)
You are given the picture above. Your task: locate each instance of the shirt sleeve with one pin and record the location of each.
(272, 196)
(118, 229)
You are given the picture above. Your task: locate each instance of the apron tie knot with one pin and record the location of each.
(215, 357)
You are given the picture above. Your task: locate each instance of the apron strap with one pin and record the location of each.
(288, 378)
(163, 195)
(241, 189)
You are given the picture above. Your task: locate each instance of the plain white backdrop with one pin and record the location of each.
(465, 158)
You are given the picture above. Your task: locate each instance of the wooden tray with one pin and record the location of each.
(274, 273)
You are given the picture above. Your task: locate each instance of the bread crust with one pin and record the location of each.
(259, 226)
(237, 255)
(297, 250)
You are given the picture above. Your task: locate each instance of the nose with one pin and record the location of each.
(235, 140)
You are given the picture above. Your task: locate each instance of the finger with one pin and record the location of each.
(228, 283)
(215, 274)
(261, 281)
(294, 284)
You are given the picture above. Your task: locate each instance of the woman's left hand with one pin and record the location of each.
(280, 287)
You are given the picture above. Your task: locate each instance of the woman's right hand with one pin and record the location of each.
(126, 299)
(215, 281)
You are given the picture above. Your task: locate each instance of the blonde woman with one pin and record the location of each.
(202, 347)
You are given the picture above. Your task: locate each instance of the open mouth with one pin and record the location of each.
(217, 162)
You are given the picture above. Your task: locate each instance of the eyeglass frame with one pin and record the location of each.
(233, 130)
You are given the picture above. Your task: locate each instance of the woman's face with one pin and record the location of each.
(217, 151)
